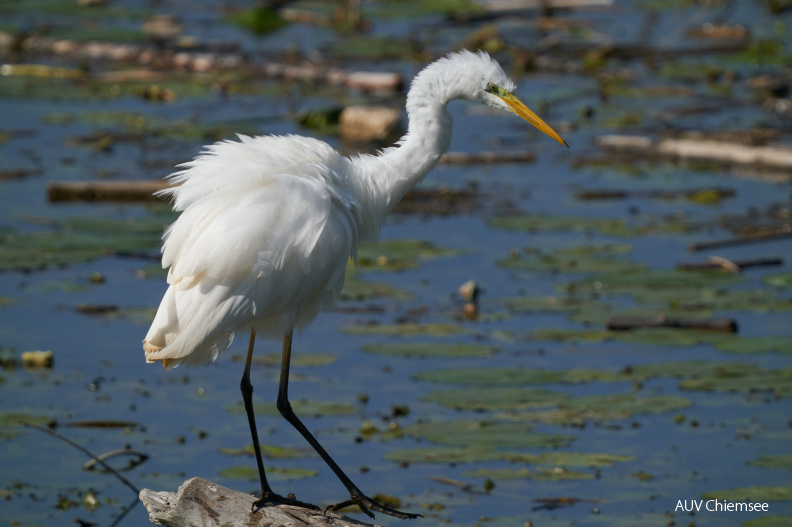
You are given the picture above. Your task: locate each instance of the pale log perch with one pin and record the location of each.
(201, 503)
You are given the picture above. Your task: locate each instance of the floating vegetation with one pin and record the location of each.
(271, 360)
(585, 259)
(751, 380)
(431, 350)
(780, 461)
(604, 226)
(495, 398)
(78, 240)
(273, 473)
(555, 474)
(487, 434)
(397, 255)
(270, 452)
(302, 408)
(500, 376)
(462, 454)
(408, 330)
(653, 285)
(357, 289)
(751, 345)
(258, 20)
(576, 411)
(756, 494)
(783, 279)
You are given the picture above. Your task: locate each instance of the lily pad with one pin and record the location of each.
(357, 289)
(551, 304)
(443, 454)
(769, 521)
(781, 461)
(431, 350)
(495, 398)
(783, 279)
(397, 255)
(556, 474)
(568, 459)
(297, 359)
(585, 259)
(751, 345)
(652, 282)
(491, 375)
(258, 20)
(577, 410)
(778, 381)
(758, 494)
(270, 452)
(408, 330)
(302, 408)
(273, 473)
(487, 434)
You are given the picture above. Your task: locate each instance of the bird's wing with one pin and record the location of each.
(274, 253)
(246, 163)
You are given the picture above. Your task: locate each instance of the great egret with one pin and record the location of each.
(268, 224)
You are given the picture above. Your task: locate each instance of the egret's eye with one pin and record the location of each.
(491, 88)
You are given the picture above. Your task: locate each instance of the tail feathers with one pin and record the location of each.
(193, 327)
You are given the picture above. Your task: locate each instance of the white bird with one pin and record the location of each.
(268, 224)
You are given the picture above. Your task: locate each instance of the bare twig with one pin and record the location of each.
(82, 449)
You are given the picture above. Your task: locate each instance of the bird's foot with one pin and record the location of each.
(270, 498)
(367, 505)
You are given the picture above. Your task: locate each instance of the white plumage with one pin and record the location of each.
(268, 224)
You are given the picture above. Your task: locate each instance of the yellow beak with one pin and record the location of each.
(523, 111)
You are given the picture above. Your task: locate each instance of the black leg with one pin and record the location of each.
(267, 496)
(365, 503)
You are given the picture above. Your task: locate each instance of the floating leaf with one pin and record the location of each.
(781, 461)
(550, 304)
(494, 398)
(408, 330)
(269, 451)
(357, 289)
(443, 454)
(491, 375)
(431, 350)
(576, 411)
(745, 380)
(568, 459)
(750, 345)
(783, 279)
(757, 494)
(302, 408)
(585, 259)
(258, 20)
(273, 473)
(651, 283)
(487, 434)
(397, 255)
(557, 474)
(769, 521)
(297, 359)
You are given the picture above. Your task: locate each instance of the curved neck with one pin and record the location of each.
(383, 180)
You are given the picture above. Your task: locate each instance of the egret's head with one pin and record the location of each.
(481, 79)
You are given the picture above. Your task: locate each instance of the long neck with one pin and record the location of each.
(382, 180)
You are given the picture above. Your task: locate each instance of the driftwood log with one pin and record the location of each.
(695, 150)
(201, 503)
